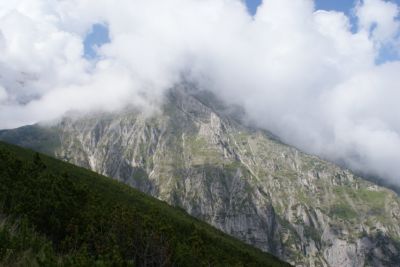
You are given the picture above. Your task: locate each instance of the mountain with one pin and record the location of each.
(57, 214)
(201, 155)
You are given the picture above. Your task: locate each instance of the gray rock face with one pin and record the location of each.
(196, 155)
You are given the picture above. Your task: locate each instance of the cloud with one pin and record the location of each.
(299, 72)
(379, 18)
(3, 94)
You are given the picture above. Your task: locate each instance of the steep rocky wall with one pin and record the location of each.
(201, 158)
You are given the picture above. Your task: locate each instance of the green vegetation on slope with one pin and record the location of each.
(55, 214)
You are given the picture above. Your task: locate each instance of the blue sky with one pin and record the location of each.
(340, 5)
(97, 37)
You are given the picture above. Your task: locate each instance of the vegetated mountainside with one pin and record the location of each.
(56, 214)
(197, 155)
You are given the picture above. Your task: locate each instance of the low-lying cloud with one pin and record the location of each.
(307, 75)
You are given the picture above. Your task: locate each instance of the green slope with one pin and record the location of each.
(55, 214)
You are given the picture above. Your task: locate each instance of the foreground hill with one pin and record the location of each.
(56, 214)
(197, 154)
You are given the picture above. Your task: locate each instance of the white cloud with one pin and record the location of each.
(379, 18)
(300, 73)
(3, 94)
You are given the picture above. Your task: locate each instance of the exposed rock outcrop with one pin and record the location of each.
(197, 155)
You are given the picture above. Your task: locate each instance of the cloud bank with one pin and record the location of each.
(307, 75)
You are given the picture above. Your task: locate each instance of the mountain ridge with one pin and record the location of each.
(242, 180)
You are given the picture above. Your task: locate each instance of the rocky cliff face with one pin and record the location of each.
(197, 155)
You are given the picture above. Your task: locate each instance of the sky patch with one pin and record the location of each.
(98, 36)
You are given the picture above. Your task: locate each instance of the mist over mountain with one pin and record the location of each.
(312, 77)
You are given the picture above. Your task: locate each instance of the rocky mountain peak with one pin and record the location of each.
(199, 155)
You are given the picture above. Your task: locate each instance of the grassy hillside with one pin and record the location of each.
(55, 214)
